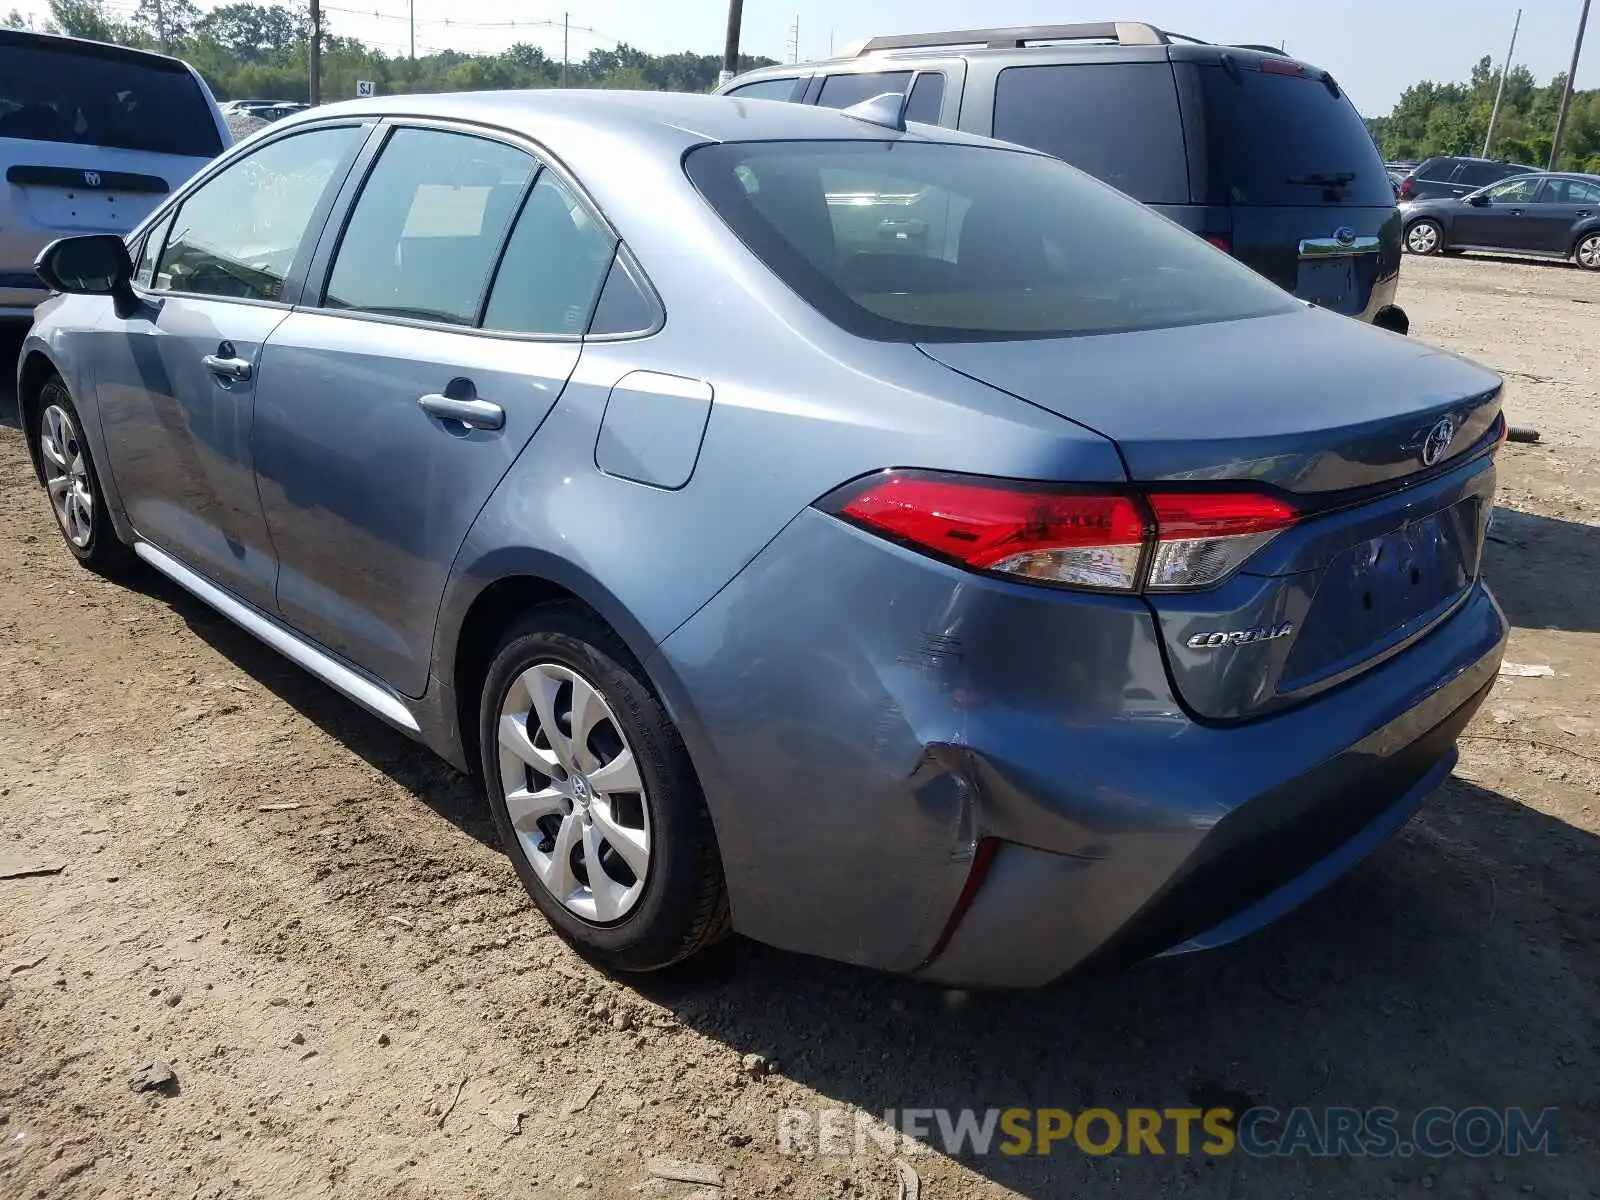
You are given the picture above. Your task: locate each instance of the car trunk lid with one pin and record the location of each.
(1369, 434)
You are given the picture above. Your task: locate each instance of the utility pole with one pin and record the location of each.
(794, 40)
(730, 51)
(315, 93)
(1566, 94)
(161, 27)
(413, 28)
(566, 33)
(1500, 91)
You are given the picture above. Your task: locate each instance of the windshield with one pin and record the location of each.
(94, 99)
(1286, 140)
(919, 241)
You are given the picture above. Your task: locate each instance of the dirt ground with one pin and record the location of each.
(305, 916)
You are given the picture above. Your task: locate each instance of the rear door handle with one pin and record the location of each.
(1583, 212)
(1515, 212)
(474, 414)
(227, 367)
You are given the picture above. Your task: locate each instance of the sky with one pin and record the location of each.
(1375, 48)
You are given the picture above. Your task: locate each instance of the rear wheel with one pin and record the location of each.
(72, 483)
(1587, 251)
(1425, 236)
(594, 796)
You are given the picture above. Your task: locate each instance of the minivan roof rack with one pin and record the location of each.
(1264, 49)
(1123, 33)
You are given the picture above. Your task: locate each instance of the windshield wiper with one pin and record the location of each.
(1324, 179)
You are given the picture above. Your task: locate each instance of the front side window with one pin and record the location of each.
(915, 241)
(428, 226)
(554, 264)
(238, 233)
(1515, 191)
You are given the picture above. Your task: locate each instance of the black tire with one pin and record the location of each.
(1416, 241)
(1586, 251)
(103, 551)
(683, 907)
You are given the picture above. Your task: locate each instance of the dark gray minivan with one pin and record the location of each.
(1257, 152)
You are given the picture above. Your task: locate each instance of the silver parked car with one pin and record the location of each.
(890, 543)
(92, 138)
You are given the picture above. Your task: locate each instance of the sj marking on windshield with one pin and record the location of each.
(1241, 637)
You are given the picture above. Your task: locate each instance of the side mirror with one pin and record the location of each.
(92, 265)
(1478, 201)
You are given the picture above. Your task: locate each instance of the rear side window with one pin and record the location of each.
(1476, 174)
(935, 241)
(1571, 191)
(92, 99)
(553, 265)
(1117, 121)
(428, 226)
(841, 91)
(927, 98)
(766, 89)
(1280, 139)
(1436, 170)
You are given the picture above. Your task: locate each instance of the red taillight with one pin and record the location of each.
(1407, 186)
(1220, 241)
(1116, 541)
(1086, 539)
(1203, 537)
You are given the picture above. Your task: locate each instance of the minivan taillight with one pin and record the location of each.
(1102, 540)
(1407, 186)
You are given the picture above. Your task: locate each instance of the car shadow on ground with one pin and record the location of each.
(1544, 571)
(1458, 967)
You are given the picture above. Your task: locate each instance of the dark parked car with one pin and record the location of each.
(1259, 154)
(1555, 215)
(1456, 175)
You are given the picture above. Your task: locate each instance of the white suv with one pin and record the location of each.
(92, 138)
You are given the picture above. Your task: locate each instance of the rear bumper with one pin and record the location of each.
(861, 717)
(1265, 858)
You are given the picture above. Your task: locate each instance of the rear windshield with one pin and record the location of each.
(920, 241)
(1279, 140)
(50, 95)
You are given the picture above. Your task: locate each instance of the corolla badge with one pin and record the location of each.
(91, 178)
(1438, 441)
(1241, 637)
(1345, 235)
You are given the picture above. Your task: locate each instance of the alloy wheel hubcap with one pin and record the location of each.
(1589, 252)
(573, 792)
(66, 475)
(1423, 238)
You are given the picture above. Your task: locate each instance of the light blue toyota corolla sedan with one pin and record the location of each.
(890, 544)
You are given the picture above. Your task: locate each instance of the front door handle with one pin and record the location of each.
(1515, 212)
(1583, 212)
(474, 414)
(229, 368)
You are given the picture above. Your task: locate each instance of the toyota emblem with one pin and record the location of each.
(91, 178)
(1438, 441)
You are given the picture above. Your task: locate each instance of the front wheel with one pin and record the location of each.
(73, 484)
(1424, 237)
(594, 796)
(1587, 251)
